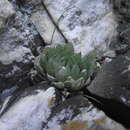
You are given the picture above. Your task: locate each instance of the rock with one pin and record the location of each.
(110, 54)
(113, 81)
(19, 43)
(12, 52)
(15, 58)
(122, 8)
(86, 24)
(122, 43)
(30, 2)
(30, 110)
(27, 31)
(46, 28)
(125, 37)
(40, 107)
(6, 11)
(80, 125)
(77, 113)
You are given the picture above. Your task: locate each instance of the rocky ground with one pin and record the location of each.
(27, 102)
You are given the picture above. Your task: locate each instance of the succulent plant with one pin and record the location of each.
(65, 68)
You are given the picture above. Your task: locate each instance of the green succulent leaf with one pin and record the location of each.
(51, 78)
(69, 82)
(78, 84)
(59, 85)
(50, 68)
(83, 73)
(62, 74)
(38, 66)
(75, 71)
(78, 59)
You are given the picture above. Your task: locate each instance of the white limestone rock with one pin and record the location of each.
(31, 2)
(36, 111)
(71, 114)
(46, 28)
(87, 24)
(29, 112)
(15, 59)
(11, 50)
(6, 11)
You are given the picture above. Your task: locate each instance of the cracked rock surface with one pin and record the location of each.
(26, 27)
(6, 11)
(86, 24)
